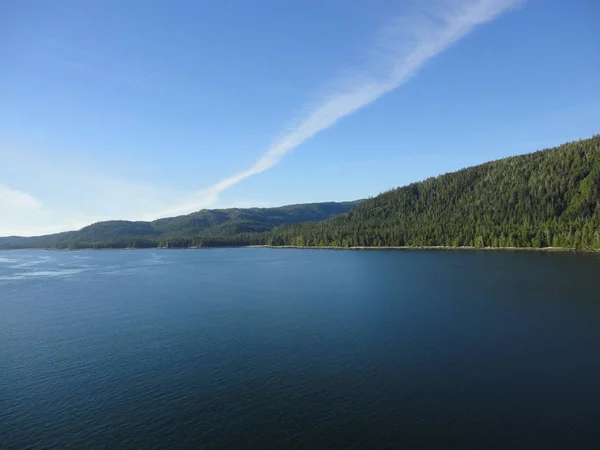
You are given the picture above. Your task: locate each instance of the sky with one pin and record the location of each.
(128, 109)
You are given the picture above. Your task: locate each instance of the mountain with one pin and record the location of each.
(550, 198)
(207, 227)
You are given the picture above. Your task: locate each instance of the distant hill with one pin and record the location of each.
(202, 228)
(547, 198)
(550, 198)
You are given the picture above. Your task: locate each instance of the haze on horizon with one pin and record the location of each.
(177, 109)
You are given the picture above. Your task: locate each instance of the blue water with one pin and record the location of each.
(274, 349)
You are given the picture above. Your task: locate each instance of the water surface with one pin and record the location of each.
(265, 348)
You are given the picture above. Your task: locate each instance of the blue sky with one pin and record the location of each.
(137, 110)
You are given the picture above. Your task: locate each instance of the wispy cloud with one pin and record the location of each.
(14, 199)
(63, 195)
(399, 50)
(25, 215)
(18, 208)
(402, 47)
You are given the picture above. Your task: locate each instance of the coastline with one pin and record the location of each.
(405, 248)
(440, 247)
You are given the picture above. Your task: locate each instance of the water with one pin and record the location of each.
(261, 348)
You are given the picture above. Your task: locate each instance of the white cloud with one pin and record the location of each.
(18, 209)
(13, 199)
(74, 199)
(24, 215)
(403, 47)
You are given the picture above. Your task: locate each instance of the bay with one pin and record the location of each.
(271, 348)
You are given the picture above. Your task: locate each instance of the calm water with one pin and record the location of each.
(284, 349)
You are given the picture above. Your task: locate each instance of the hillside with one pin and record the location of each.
(550, 198)
(206, 227)
(547, 198)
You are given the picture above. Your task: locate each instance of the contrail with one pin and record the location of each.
(404, 46)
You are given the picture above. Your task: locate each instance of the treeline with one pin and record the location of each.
(205, 228)
(549, 198)
(236, 240)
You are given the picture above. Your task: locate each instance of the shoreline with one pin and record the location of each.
(440, 247)
(404, 248)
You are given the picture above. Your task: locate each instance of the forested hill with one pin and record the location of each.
(208, 227)
(547, 198)
(550, 198)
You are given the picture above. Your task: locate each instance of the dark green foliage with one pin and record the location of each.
(549, 198)
(204, 228)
